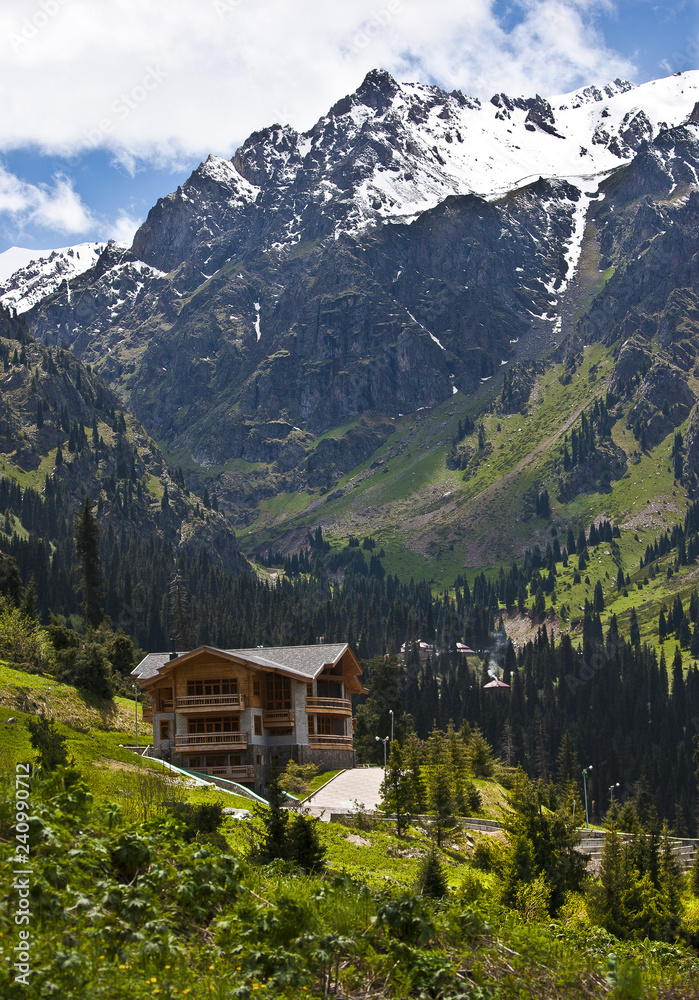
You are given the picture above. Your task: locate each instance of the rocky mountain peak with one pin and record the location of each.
(377, 89)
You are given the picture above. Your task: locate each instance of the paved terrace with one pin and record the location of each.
(341, 794)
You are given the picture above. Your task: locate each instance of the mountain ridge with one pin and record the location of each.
(270, 325)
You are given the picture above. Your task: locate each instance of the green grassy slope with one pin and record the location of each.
(97, 733)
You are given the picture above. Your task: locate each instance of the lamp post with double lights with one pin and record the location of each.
(385, 741)
(611, 793)
(587, 815)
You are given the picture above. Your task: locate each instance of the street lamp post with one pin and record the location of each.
(385, 741)
(135, 690)
(587, 815)
(390, 712)
(611, 793)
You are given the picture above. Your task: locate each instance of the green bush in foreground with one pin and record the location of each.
(125, 910)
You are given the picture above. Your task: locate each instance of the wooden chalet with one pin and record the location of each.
(236, 713)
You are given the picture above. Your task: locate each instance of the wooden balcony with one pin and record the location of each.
(147, 713)
(246, 772)
(329, 706)
(203, 702)
(211, 741)
(165, 705)
(278, 718)
(345, 742)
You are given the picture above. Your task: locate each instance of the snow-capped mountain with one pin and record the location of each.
(404, 249)
(392, 151)
(28, 276)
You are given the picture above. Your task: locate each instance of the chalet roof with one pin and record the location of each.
(301, 661)
(495, 684)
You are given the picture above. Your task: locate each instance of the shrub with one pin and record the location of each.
(489, 855)
(297, 778)
(474, 799)
(471, 887)
(200, 821)
(87, 668)
(48, 742)
(21, 637)
(532, 898)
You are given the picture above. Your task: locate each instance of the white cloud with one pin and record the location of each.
(123, 229)
(57, 206)
(164, 79)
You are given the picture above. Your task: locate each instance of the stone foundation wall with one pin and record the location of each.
(327, 759)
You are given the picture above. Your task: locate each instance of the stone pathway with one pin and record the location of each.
(340, 794)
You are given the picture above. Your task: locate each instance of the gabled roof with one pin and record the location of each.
(302, 662)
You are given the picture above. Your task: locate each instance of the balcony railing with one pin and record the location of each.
(329, 705)
(194, 703)
(283, 717)
(147, 714)
(246, 772)
(330, 741)
(166, 705)
(198, 741)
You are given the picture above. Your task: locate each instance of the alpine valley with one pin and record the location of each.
(423, 380)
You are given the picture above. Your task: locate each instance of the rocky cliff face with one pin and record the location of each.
(404, 249)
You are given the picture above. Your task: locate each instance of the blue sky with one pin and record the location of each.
(108, 106)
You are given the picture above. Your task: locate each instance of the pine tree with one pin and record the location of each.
(87, 549)
(432, 880)
(440, 799)
(304, 846)
(275, 841)
(567, 762)
(614, 881)
(395, 788)
(412, 759)
(634, 630)
(181, 627)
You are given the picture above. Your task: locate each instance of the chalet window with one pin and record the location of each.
(259, 759)
(164, 730)
(235, 760)
(194, 763)
(278, 692)
(258, 725)
(311, 725)
(326, 725)
(329, 689)
(226, 724)
(309, 690)
(215, 760)
(210, 688)
(283, 732)
(256, 688)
